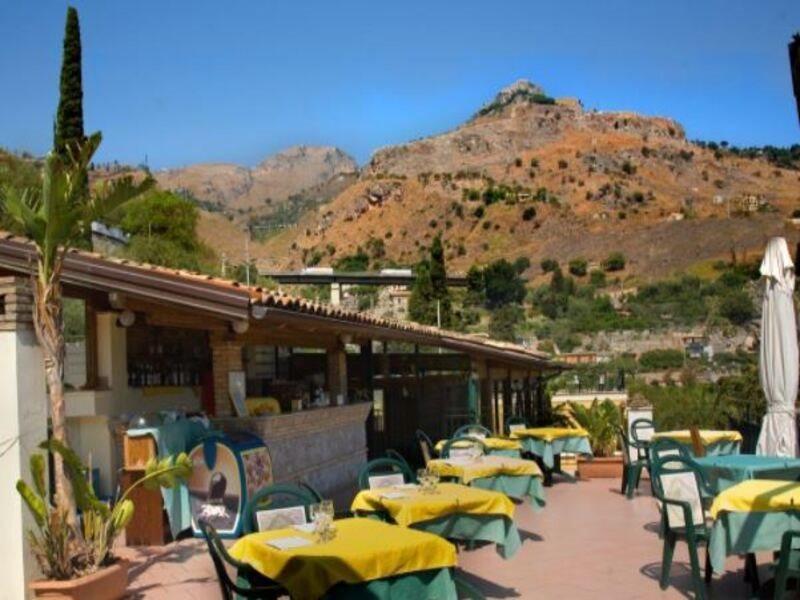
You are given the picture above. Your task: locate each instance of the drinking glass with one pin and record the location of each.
(433, 478)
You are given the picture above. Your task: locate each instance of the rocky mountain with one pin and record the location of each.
(238, 189)
(531, 175)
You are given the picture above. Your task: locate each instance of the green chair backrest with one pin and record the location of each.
(280, 495)
(395, 455)
(462, 445)
(667, 447)
(472, 429)
(381, 471)
(624, 444)
(678, 483)
(425, 445)
(642, 430)
(222, 560)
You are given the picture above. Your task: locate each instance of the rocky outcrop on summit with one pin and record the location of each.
(519, 119)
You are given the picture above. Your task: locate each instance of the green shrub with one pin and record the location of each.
(578, 266)
(549, 265)
(657, 360)
(529, 214)
(597, 278)
(614, 262)
(628, 168)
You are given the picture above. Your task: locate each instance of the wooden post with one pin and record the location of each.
(90, 341)
(337, 372)
(367, 368)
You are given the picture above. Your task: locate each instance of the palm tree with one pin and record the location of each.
(55, 218)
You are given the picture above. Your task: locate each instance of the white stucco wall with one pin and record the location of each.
(23, 424)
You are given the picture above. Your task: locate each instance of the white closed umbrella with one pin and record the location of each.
(778, 356)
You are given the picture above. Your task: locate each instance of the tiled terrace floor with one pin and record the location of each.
(589, 542)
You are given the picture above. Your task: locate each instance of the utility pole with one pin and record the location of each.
(247, 256)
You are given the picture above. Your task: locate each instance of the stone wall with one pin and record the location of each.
(226, 356)
(324, 446)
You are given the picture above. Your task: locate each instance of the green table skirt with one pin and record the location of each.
(518, 487)
(548, 450)
(737, 468)
(746, 532)
(720, 448)
(510, 453)
(496, 529)
(433, 584)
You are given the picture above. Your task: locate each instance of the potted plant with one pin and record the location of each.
(77, 560)
(601, 420)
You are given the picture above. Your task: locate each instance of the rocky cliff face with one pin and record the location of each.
(269, 183)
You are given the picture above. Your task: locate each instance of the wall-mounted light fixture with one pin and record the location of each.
(240, 326)
(126, 318)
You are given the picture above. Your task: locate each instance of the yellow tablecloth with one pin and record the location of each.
(706, 435)
(758, 495)
(363, 550)
(548, 434)
(449, 498)
(491, 443)
(485, 466)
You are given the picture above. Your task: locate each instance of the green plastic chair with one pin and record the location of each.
(472, 428)
(395, 455)
(425, 445)
(640, 428)
(280, 495)
(679, 486)
(460, 443)
(631, 468)
(788, 566)
(249, 584)
(383, 466)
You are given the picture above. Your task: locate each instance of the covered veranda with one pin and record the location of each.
(345, 386)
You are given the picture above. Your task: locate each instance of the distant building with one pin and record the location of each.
(109, 241)
(697, 347)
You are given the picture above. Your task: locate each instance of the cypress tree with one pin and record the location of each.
(430, 286)
(69, 119)
(439, 282)
(421, 299)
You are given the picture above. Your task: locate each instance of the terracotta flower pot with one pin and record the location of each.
(109, 583)
(602, 467)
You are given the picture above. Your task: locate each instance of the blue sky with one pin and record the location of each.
(182, 82)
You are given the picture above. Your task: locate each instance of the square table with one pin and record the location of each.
(715, 442)
(515, 477)
(547, 443)
(452, 510)
(724, 471)
(495, 446)
(366, 559)
(752, 516)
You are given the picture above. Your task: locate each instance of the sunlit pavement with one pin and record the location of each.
(589, 542)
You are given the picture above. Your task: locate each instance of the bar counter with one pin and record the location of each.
(323, 446)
